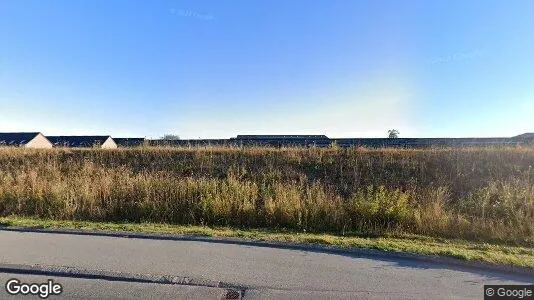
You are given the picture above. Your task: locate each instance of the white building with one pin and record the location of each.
(24, 139)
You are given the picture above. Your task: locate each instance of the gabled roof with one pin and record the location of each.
(281, 137)
(129, 142)
(528, 135)
(16, 138)
(83, 141)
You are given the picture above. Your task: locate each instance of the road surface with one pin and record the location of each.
(261, 272)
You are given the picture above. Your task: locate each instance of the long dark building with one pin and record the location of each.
(24, 139)
(422, 142)
(83, 141)
(282, 140)
(191, 143)
(130, 142)
(324, 141)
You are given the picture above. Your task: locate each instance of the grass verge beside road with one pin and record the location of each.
(460, 249)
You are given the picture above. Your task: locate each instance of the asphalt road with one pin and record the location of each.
(262, 272)
(76, 288)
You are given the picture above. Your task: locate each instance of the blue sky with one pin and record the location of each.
(221, 68)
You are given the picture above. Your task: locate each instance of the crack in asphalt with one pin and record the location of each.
(73, 272)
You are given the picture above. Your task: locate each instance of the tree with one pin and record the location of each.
(393, 133)
(171, 137)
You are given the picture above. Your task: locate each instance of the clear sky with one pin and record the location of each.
(221, 68)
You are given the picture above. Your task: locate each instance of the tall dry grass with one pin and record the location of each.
(484, 194)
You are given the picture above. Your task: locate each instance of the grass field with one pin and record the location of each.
(475, 194)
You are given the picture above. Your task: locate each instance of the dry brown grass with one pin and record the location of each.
(483, 194)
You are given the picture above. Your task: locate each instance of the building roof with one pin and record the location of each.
(16, 138)
(528, 135)
(129, 142)
(78, 140)
(281, 137)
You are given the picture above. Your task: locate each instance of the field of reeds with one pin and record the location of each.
(481, 194)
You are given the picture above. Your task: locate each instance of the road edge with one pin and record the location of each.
(331, 249)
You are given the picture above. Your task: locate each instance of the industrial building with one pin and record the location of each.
(324, 141)
(89, 141)
(24, 139)
(130, 142)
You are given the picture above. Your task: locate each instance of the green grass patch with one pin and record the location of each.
(465, 250)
